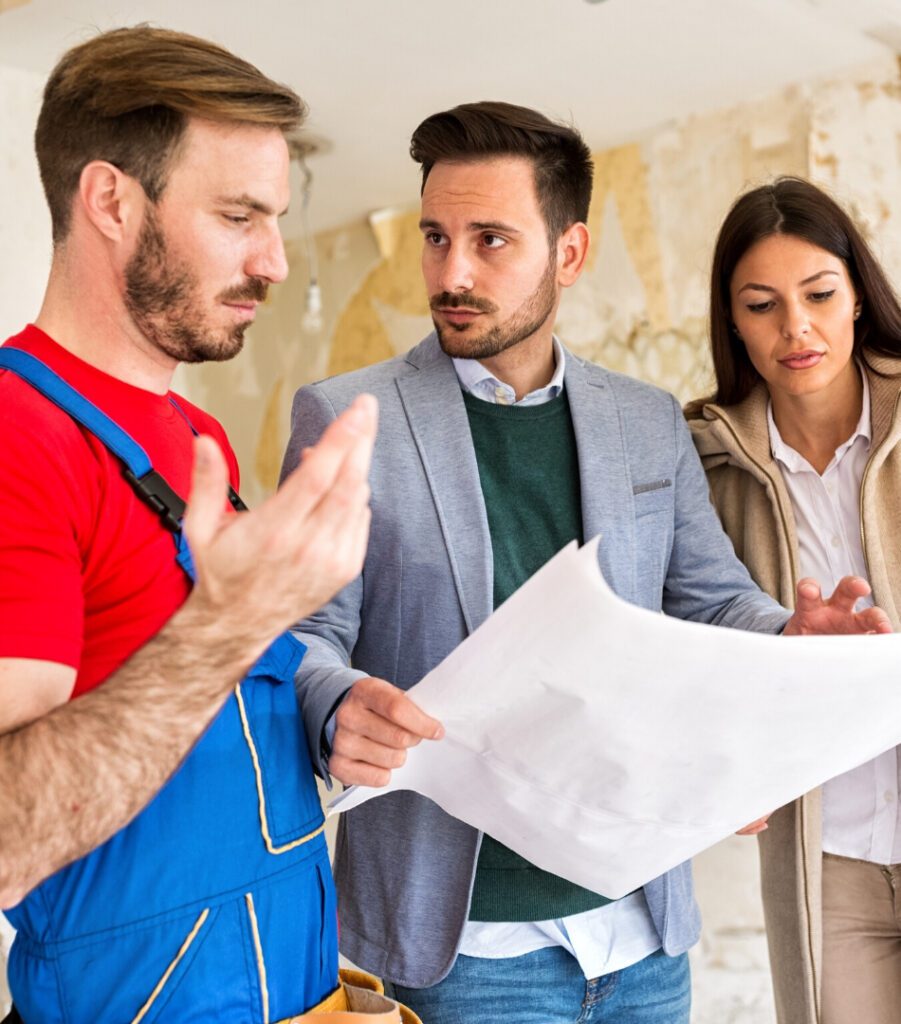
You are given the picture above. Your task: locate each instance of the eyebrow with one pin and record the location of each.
(807, 280)
(249, 203)
(475, 225)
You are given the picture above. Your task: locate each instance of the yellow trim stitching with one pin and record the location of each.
(261, 963)
(160, 985)
(264, 823)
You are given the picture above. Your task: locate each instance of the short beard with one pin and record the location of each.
(162, 298)
(530, 316)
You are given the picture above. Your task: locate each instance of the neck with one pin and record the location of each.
(526, 366)
(84, 312)
(817, 425)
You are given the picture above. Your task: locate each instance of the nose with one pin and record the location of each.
(456, 273)
(268, 259)
(795, 323)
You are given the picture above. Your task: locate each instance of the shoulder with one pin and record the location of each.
(705, 434)
(50, 469)
(378, 379)
(628, 392)
(202, 421)
(31, 423)
(649, 418)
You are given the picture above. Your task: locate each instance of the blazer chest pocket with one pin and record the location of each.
(653, 496)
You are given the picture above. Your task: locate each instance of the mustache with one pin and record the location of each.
(254, 289)
(448, 300)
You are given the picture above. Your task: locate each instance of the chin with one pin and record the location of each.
(461, 344)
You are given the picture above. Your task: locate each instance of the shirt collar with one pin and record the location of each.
(477, 380)
(793, 460)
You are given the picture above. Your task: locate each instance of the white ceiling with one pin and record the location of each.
(372, 69)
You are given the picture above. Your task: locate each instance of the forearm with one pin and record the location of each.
(77, 775)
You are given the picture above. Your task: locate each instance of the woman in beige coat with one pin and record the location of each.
(802, 447)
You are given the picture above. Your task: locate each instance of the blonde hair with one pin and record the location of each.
(126, 96)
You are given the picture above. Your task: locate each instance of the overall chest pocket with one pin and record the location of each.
(290, 811)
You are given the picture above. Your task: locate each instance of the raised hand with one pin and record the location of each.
(260, 571)
(814, 615)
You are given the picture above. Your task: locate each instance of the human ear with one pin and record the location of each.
(111, 201)
(572, 250)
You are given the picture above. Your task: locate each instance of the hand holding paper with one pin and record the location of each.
(376, 724)
(607, 743)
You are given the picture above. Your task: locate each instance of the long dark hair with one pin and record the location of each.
(792, 206)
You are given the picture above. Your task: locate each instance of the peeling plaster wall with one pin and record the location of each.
(855, 153)
(24, 221)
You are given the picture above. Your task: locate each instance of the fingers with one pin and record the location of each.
(375, 726)
(369, 750)
(344, 451)
(398, 713)
(808, 596)
(848, 592)
(874, 620)
(209, 488)
(755, 828)
(358, 773)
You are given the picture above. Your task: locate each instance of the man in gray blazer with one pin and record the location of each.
(497, 447)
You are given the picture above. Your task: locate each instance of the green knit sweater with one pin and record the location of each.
(529, 471)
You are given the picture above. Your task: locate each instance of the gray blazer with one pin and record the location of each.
(403, 867)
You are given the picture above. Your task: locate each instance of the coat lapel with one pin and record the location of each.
(607, 500)
(433, 403)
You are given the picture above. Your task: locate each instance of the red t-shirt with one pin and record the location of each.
(87, 571)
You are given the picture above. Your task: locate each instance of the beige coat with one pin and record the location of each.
(755, 509)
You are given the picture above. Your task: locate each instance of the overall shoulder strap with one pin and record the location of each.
(149, 485)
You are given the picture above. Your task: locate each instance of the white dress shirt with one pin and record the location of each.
(861, 810)
(611, 937)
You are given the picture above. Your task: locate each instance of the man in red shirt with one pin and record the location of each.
(148, 811)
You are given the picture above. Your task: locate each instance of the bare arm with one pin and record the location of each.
(30, 689)
(84, 769)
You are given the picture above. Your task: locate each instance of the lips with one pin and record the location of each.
(458, 315)
(801, 360)
(245, 310)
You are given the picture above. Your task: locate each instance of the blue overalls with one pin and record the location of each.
(216, 903)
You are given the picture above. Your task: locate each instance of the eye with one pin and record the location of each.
(761, 307)
(821, 296)
(236, 218)
(434, 238)
(491, 241)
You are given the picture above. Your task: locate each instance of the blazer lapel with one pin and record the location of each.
(433, 402)
(607, 500)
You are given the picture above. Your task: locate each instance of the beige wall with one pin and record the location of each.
(24, 220)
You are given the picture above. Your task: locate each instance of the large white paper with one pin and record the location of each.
(606, 743)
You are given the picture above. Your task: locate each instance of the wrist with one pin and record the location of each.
(230, 644)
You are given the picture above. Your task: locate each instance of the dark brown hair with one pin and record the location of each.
(126, 96)
(479, 131)
(793, 206)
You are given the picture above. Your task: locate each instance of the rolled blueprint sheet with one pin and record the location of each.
(606, 743)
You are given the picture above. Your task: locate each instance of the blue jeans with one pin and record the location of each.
(548, 987)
